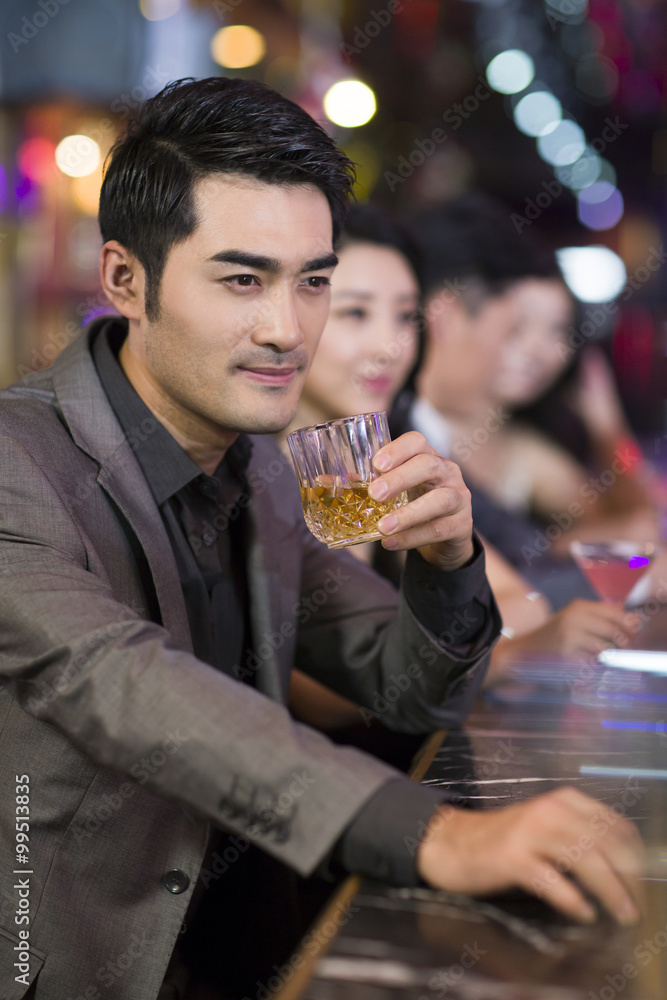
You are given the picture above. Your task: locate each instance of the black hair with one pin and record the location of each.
(469, 246)
(372, 224)
(194, 128)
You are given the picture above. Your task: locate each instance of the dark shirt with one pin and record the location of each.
(457, 607)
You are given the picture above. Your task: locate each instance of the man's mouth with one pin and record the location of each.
(269, 376)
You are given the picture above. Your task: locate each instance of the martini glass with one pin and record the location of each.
(613, 568)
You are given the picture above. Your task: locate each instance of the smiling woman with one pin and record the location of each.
(369, 346)
(370, 342)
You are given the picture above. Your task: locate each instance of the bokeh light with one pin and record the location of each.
(593, 274)
(368, 165)
(349, 103)
(77, 155)
(510, 71)
(597, 193)
(158, 10)
(597, 78)
(568, 11)
(600, 206)
(581, 173)
(564, 145)
(538, 113)
(238, 46)
(607, 172)
(86, 191)
(36, 159)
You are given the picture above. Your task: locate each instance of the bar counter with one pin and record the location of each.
(599, 728)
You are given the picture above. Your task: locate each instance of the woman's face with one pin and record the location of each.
(533, 357)
(369, 343)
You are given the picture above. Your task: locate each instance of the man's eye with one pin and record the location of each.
(241, 280)
(317, 281)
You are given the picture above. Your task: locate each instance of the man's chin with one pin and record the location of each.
(266, 423)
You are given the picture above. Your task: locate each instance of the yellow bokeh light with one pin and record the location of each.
(349, 103)
(86, 191)
(367, 165)
(158, 10)
(238, 46)
(77, 155)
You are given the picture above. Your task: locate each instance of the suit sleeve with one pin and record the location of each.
(415, 660)
(75, 658)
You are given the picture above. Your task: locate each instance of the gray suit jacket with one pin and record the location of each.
(133, 747)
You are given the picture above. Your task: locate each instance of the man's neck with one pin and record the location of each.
(206, 445)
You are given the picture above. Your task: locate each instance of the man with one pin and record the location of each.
(158, 583)
(472, 260)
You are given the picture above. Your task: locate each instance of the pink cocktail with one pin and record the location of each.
(613, 568)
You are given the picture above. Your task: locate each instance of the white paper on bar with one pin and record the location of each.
(649, 660)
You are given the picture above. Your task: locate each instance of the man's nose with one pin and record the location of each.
(278, 323)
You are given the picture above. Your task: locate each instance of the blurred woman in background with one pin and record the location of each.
(370, 347)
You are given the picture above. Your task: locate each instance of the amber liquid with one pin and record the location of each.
(345, 515)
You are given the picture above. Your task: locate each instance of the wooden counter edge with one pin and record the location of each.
(346, 892)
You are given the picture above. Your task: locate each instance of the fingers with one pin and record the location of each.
(603, 852)
(438, 518)
(400, 450)
(562, 847)
(412, 470)
(549, 884)
(598, 876)
(434, 516)
(590, 627)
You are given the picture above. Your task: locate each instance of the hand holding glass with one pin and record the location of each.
(334, 466)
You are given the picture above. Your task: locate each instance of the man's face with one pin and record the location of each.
(243, 301)
(470, 347)
(533, 358)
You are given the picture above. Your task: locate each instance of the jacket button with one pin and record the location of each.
(175, 881)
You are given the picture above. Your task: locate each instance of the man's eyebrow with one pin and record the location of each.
(271, 264)
(258, 261)
(321, 263)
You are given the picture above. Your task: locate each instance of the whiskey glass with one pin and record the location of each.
(334, 465)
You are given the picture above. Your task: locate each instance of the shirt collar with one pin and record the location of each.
(166, 466)
(431, 423)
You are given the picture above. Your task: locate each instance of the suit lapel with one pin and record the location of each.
(272, 558)
(272, 580)
(96, 431)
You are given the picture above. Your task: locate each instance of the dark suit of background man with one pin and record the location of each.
(157, 584)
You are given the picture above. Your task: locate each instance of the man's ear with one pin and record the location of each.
(123, 280)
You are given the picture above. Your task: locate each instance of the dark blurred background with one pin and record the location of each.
(559, 107)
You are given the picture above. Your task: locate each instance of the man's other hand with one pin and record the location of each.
(553, 846)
